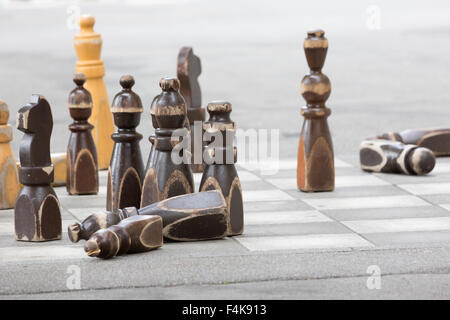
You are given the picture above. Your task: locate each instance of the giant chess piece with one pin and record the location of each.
(188, 70)
(37, 215)
(220, 172)
(167, 179)
(315, 162)
(131, 235)
(81, 160)
(395, 157)
(126, 170)
(437, 140)
(190, 217)
(88, 45)
(9, 180)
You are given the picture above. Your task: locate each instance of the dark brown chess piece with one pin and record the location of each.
(167, 179)
(132, 235)
(315, 162)
(188, 69)
(190, 217)
(220, 172)
(395, 157)
(126, 170)
(437, 140)
(37, 215)
(81, 160)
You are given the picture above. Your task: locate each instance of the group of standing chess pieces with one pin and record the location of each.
(145, 205)
(408, 152)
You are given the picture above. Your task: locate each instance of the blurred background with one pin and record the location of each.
(388, 62)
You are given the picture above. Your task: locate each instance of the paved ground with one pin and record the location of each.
(296, 245)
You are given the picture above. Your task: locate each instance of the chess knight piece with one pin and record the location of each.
(37, 215)
(315, 163)
(126, 170)
(88, 45)
(167, 179)
(82, 168)
(9, 180)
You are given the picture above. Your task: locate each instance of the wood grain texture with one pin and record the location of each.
(131, 235)
(220, 173)
(164, 178)
(81, 156)
(395, 157)
(190, 217)
(37, 215)
(126, 170)
(189, 69)
(88, 45)
(315, 160)
(9, 179)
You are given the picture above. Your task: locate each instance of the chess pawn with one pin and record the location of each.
(167, 179)
(9, 180)
(37, 215)
(315, 163)
(126, 170)
(437, 140)
(88, 45)
(188, 69)
(132, 235)
(81, 160)
(395, 157)
(189, 217)
(220, 172)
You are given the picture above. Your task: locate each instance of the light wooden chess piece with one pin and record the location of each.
(88, 45)
(9, 180)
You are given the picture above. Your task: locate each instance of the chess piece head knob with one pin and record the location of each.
(4, 113)
(86, 23)
(170, 106)
(219, 115)
(127, 105)
(421, 160)
(80, 100)
(316, 46)
(103, 244)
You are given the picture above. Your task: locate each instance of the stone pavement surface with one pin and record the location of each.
(295, 245)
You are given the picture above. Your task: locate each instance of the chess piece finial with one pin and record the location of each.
(315, 163)
(126, 170)
(88, 45)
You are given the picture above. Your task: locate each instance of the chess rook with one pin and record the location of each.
(220, 172)
(188, 69)
(132, 235)
(81, 160)
(166, 179)
(437, 140)
(37, 215)
(126, 170)
(9, 179)
(88, 45)
(395, 157)
(315, 162)
(190, 217)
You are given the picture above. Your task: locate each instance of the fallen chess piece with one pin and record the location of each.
(437, 140)
(395, 157)
(132, 235)
(190, 217)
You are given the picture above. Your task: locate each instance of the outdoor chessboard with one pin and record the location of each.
(365, 211)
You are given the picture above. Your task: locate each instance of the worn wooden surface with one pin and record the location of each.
(37, 215)
(126, 170)
(88, 45)
(132, 235)
(395, 157)
(9, 179)
(188, 70)
(165, 178)
(81, 159)
(315, 161)
(220, 172)
(190, 217)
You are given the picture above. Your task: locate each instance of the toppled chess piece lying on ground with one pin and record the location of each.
(395, 157)
(190, 217)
